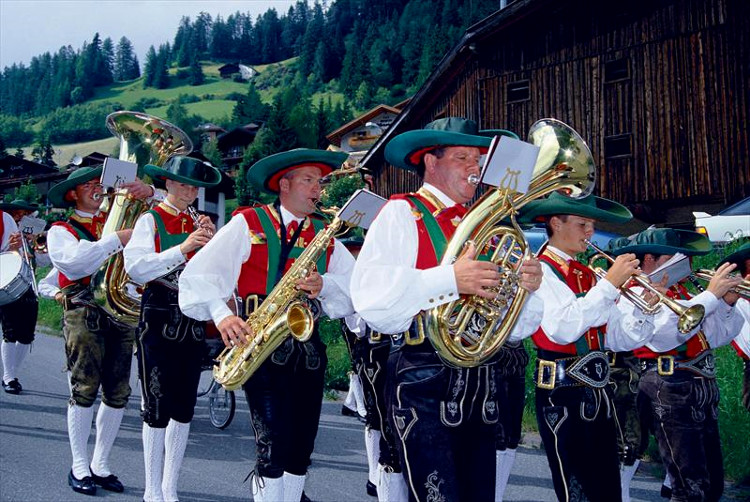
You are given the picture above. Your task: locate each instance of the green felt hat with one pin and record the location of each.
(57, 194)
(738, 257)
(18, 204)
(266, 173)
(668, 241)
(591, 206)
(406, 150)
(186, 170)
(615, 246)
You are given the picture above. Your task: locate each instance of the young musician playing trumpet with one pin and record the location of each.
(741, 344)
(170, 345)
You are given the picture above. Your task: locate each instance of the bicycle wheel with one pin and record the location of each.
(221, 405)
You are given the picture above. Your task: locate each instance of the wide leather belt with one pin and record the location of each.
(704, 365)
(77, 298)
(591, 370)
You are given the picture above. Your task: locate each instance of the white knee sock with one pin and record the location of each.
(293, 487)
(175, 443)
(9, 360)
(359, 395)
(79, 430)
(372, 446)
(667, 481)
(626, 476)
(108, 421)
(268, 490)
(500, 479)
(350, 401)
(153, 459)
(21, 352)
(391, 486)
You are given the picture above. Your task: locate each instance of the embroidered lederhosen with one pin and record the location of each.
(170, 344)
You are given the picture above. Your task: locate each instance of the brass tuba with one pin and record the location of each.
(468, 331)
(144, 139)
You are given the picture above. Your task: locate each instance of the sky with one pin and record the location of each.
(29, 28)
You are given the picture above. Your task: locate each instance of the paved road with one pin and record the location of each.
(35, 454)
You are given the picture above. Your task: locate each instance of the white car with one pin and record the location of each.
(730, 223)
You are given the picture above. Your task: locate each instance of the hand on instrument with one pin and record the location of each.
(196, 240)
(473, 276)
(234, 331)
(14, 241)
(531, 275)
(722, 282)
(124, 235)
(206, 224)
(652, 298)
(313, 284)
(622, 269)
(138, 189)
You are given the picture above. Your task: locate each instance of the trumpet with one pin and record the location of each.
(39, 243)
(742, 289)
(196, 221)
(688, 317)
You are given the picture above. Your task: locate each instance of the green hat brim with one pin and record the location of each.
(591, 206)
(56, 194)
(690, 244)
(265, 174)
(18, 204)
(159, 173)
(498, 132)
(738, 257)
(406, 150)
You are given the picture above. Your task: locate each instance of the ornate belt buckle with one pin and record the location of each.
(546, 374)
(611, 358)
(665, 365)
(375, 336)
(412, 339)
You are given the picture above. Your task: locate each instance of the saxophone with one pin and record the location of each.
(284, 312)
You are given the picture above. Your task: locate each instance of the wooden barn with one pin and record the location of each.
(660, 89)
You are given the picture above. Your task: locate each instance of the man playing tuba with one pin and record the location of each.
(443, 417)
(170, 345)
(252, 253)
(98, 350)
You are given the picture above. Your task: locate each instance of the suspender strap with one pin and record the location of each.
(274, 247)
(437, 237)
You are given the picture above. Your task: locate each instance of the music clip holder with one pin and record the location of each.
(116, 172)
(361, 209)
(509, 164)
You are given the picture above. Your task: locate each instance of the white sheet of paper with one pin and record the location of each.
(116, 172)
(31, 225)
(510, 165)
(676, 268)
(362, 208)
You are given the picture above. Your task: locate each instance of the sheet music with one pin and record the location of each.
(676, 268)
(362, 208)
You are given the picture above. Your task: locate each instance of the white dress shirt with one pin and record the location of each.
(211, 276)
(568, 317)
(743, 339)
(49, 285)
(10, 228)
(387, 288)
(76, 258)
(142, 262)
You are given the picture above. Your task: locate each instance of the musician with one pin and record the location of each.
(251, 253)
(98, 348)
(170, 345)
(581, 320)
(18, 318)
(49, 286)
(443, 417)
(677, 388)
(741, 344)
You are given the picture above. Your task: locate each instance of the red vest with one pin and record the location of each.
(254, 278)
(740, 352)
(94, 227)
(2, 225)
(447, 220)
(175, 223)
(580, 279)
(688, 350)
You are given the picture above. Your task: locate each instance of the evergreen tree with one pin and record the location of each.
(250, 108)
(182, 42)
(149, 70)
(106, 62)
(161, 75)
(211, 151)
(26, 192)
(126, 61)
(196, 73)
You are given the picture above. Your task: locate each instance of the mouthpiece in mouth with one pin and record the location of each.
(473, 179)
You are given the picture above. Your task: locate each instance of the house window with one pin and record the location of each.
(518, 91)
(236, 151)
(618, 146)
(619, 69)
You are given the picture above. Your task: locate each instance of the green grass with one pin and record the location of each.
(212, 111)
(50, 312)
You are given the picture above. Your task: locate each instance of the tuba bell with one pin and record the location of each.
(144, 139)
(469, 331)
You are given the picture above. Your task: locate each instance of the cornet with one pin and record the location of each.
(196, 221)
(688, 317)
(742, 289)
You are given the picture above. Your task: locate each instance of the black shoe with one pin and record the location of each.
(666, 492)
(372, 490)
(305, 498)
(85, 485)
(345, 410)
(12, 387)
(110, 482)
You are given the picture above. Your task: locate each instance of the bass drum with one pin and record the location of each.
(15, 277)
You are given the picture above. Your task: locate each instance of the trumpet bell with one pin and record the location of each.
(691, 318)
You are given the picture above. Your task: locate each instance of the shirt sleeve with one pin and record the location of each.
(49, 285)
(76, 258)
(567, 317)
(743, 339)
(530, 318)
(628, 327)
(210, 277)
(334, 296)
(387, 288)
(10, 228)
(142, 262)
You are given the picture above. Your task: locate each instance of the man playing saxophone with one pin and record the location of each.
(170, 345)
(252, 253)
(443, 417)
(98, 350)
